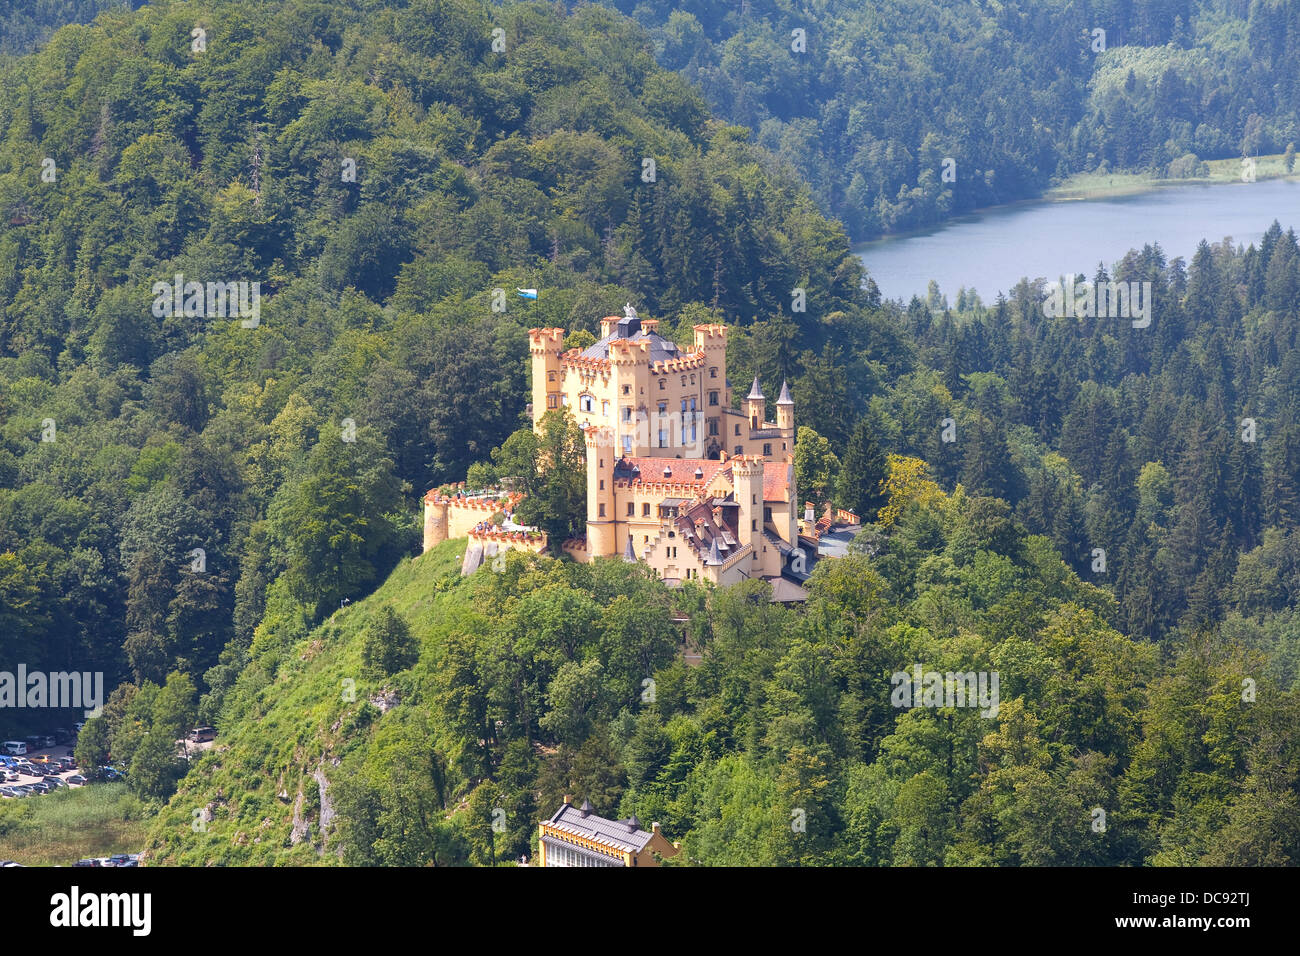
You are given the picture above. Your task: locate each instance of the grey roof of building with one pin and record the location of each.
(619, 834)
(755, 391)
(785, 398)
(661, 349)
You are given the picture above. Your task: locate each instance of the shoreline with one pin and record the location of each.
(1081, 188)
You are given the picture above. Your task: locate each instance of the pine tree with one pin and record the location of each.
(862, 471)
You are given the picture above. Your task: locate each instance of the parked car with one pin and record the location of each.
(68, 763)
(15, 748)
(11, 792)
(86, 863)
(49, 741)
(8, 863)
(40, 787)
(54, 782)
(34, 742)
(76, 780)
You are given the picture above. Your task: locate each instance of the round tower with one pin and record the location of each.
(785, 414)
(545, 346)
(755, 406)
(435, 521)
(600, 492)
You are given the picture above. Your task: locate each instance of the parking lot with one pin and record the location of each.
(40, 771)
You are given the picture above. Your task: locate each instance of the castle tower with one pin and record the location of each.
(747, 476)
(601, 524)
(435, 522)
(545, 346)
(755, 406)
(785, 414)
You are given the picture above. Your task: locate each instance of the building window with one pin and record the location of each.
(564, 400)
(602, 484)
(767, 448)
(692, 403)
(713, 398)
(663, 383)
(713, 373)
(663, 438)
(683, 406)
(631, 508)
(713, 426)
(601, 512)
(737, 429)
(627, 444)
(604, 409)
(692, 379)
(753, 524)
(740, 449)
(551, 401)
(586, 403)
(550, 376)
(683, 381)
(627, 413)
(645, 509)
(767, 513)
(627, 389)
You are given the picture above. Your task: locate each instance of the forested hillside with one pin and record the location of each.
(871, 98)
(190, 502)
(128, 440)
(26, 24)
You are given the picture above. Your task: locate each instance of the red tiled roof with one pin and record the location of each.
(652, 470)
(775, 480)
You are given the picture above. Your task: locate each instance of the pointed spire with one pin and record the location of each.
(785, 398)
(715, 555)
(628, 554)
(755, 392)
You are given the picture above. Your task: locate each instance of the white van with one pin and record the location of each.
(15, 748)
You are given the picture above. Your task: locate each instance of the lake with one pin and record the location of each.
(992, 250)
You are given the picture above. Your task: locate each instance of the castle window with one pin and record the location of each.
(753, 524)
(601, 512)
(645, 509)
(551, 401)
(663, 408)
(564, 400)
(602, 484)
(713, 398)
(767, 448)
(692, 379)
(550, 376)
(627, 389)
(683, 406)
(767, 513)
(604, 408)
(692, 403)
(713, 373)
(631, 508)
(683, 381)
(663, 383)
(740, 449)
(627, 413)
(737, 429)
(713, 426)
(586, 403)
(627, 444)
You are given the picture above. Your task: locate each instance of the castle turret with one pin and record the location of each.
(435, 521)
(747, 476)
(545, 346)
(755, 406)
(600, 492)
(785, 414)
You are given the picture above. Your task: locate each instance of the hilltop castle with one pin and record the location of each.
(675, 476)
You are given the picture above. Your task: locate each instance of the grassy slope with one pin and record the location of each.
(1100, 185)
(252, 778)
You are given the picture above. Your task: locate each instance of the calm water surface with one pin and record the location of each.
(991, 251)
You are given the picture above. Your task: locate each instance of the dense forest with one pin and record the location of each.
(870, 99)
(190, 502)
